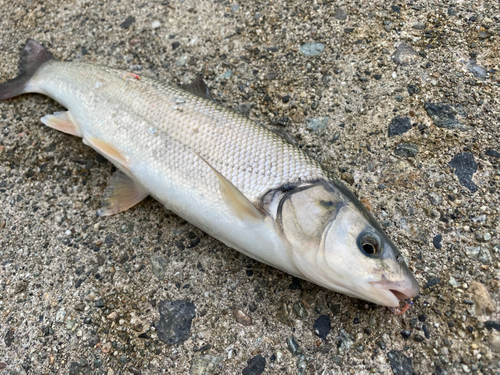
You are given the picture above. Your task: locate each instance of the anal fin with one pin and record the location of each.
(237, 202)
(63, 122)
(121, 194)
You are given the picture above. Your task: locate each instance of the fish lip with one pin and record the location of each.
(398, 290)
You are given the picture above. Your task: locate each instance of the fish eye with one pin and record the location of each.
(370, 245)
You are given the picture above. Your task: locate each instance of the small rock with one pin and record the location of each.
(99, 303)
(432, 282)
(156, 24)
(408, 150)
(256, 366)
(472, 251)
(107, 347)
(204, 364)
(484, 256)
(478, 71)
(406, 334)
(344, 340)
(400, 364)
(396, 8)
(175, 321)
(158, 264)
(399, 125)
(435, 199)
(300, 309)
(465, 166)
(225, 76)
(181, 61)
(495, 344)
(436, 241)
(317, 125)
(443, 116)
(413, 89)
(128, 22)
(347, 177)
(337, 360)
(340, 14)
(491, 324)
(293, 346)
(322, 326)
(301, 365)
(404, 55)
(493, 153)
(481, 296)
(242, 318)
(453, 282)
(418, 26)
(312, 49)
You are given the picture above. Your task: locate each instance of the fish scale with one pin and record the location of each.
(158, 116)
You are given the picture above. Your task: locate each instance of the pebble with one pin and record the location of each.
(128, 22)
(436, 241)
(495, 344)
(406, 334)
(435, 199)
(337, 360)
(418, 26)
(493, 153)
(399, 125)
(481, 296)
(293, 346)
(404, 55)
(453, 282)
(60, 315)
(155, 24)
(344, 340)
(256, 366)
(181, 61)
(408, 150)
(174, 325)
(204, 364)
(300, 309)
(312, 49)
(158, 264)
(107, 347)
(301, 365)
(400, 364)
(472, 251)
(99, 303)
(225, 76)
(478, 71)
(484, 256)
(492, 324)
(443, 116)
(322, 326)
(432, 282)
(317, 125)
(242, 318)
(340, 14)
(465, 166)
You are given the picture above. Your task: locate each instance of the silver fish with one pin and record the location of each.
(227, 175)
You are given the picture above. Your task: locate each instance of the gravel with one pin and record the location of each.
(51, 184)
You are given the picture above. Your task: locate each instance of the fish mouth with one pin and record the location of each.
(398, 291)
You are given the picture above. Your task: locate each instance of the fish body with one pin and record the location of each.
(222, 172)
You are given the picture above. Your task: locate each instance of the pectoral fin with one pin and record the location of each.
(108, 151)
(198, 87)
(237, 202)
(121, 194)
(63, 122)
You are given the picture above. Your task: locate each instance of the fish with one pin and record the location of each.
(231, 177)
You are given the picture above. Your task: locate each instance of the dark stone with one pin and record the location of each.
(340, 14)
(292, 345)
(396, 9)
(413, 89)
(492, 324)
(443, 116)
(296, 284)
(249, 273)
(271, 76)
(400, 364)
(175, 45)
(426, 332)
(256, 366)
(194, 243)
(286, 99)
(179, 245)
(408, 150)
(465, 166)
(493, 153)
(334, 308)
(452, 11)
(399, 125)
(322, 326)
(348, 30)
(109, 239)
(101, 159)
(9, 337)
(377, 77)
(406, 334)
(437, 242)
(51, 147)
(174, 326)
(432, 282)
(99, 303)
(418, 338)
(128, 22)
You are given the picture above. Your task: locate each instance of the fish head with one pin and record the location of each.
(337, 244)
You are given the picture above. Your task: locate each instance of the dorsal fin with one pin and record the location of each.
(198, 87)
(237, 202)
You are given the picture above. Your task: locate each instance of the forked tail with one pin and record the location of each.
(33, 56)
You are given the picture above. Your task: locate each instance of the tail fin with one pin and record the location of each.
(33, 56)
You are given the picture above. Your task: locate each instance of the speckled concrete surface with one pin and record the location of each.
(412, 128)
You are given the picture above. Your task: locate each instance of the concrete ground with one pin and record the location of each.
(411, 94)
